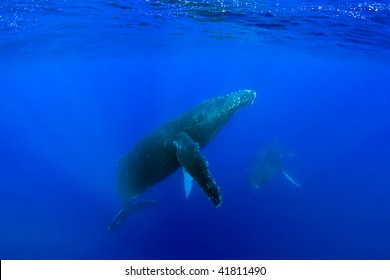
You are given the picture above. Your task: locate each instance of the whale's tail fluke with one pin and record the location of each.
(127, 209)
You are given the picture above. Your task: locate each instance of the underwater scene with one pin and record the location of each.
(210, 129)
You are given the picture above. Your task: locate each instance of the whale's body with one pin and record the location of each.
(268, 163)
(177, 144)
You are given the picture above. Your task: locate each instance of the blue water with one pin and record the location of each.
(82, 81)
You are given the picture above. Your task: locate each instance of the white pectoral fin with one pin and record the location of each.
(188, 181)
(290, 179)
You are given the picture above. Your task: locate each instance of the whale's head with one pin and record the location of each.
(238, 99)
(209, 117)
(226, 106)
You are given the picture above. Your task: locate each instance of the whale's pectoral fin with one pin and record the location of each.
(290, 179)
(190, 157)
(187, 183)
(127, 209)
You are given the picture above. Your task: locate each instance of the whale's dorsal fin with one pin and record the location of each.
(191, 159)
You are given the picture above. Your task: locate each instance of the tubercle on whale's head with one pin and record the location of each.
(243, 97)
(234, 101)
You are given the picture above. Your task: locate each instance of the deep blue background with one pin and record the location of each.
(65, 122)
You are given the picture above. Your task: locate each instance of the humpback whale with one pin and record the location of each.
(267, 163)
(173, 145)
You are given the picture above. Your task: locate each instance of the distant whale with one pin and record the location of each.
(267, 163)
(173, 145)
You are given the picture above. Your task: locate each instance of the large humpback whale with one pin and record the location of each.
(173, 145)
